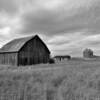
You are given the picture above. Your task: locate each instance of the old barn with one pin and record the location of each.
(24, 51)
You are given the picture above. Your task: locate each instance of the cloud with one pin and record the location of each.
(60, 17)
(67, 26)
(74, 44)
(53, 16)
(8, 6)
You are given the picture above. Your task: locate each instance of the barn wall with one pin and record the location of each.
(8, 58)
(33, 52)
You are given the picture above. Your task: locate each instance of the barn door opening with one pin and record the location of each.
(25, 61)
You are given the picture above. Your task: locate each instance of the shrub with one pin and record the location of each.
(51, 61)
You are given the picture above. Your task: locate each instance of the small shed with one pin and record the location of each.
(62, 57)
(25, 51)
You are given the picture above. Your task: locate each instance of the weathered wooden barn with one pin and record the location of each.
(24, 51)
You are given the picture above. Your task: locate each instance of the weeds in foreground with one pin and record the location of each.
(78, 82)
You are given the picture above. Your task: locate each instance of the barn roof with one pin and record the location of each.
(16, 44)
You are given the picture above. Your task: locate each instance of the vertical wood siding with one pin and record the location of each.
(33, 52)
(8, 58)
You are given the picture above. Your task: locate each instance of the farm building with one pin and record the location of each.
(62, 57)
(24, 51)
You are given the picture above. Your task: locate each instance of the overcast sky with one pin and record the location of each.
(66, 26)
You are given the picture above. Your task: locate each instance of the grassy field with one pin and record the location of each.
(68, 80)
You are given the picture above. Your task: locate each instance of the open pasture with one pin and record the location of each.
(76, 79)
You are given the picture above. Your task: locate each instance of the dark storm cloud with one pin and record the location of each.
(8, 6)
(58, 22)
(48, 22)
(43, 21)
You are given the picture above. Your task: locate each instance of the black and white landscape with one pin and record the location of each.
(50, 50)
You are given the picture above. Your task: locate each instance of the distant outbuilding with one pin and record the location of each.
(25, 51)
(62, 57)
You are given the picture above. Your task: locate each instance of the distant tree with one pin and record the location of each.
(87, 53)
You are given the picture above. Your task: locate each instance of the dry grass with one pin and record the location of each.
(70, 80)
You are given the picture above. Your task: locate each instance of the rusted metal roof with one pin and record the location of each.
(16, 44)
